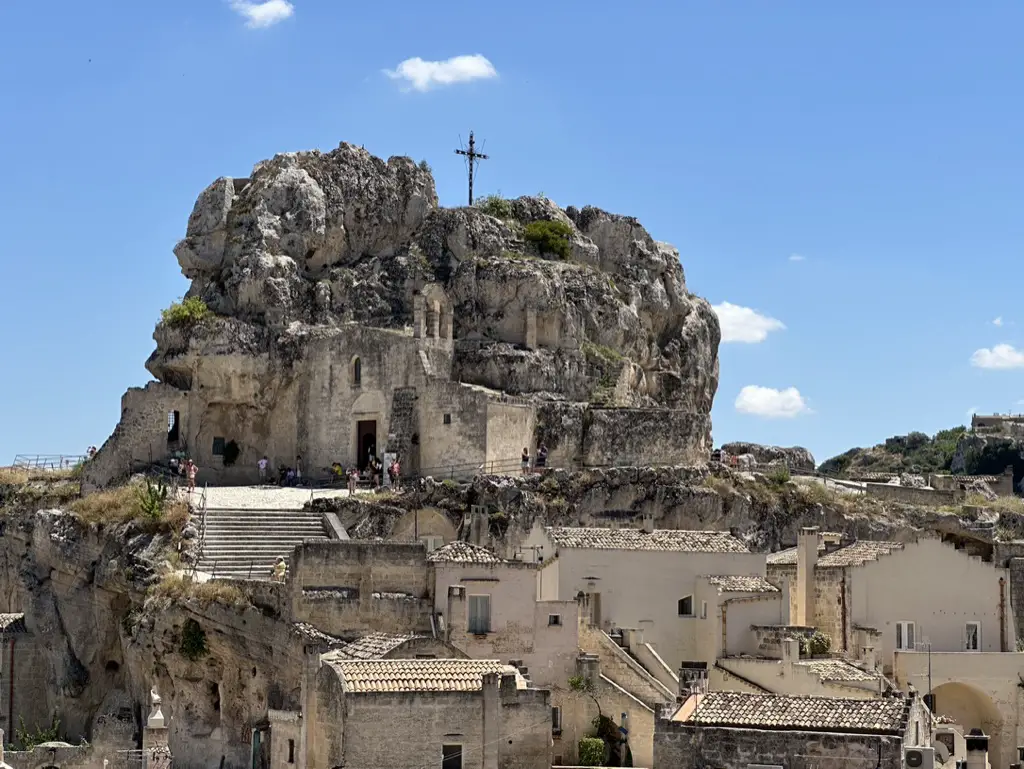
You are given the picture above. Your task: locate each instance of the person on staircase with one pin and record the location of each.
(262, 465)
(393, 472)
(280, 569)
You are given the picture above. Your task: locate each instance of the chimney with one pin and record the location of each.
(790, 654)
(870, 660)
(509, 689)
(806, 559)
(977, 749)
(492, 719)
(648, 523)
(456, 621)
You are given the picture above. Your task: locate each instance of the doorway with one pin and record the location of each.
(366, 440)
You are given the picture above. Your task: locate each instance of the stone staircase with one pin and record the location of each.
(403, 422)
(245, 544)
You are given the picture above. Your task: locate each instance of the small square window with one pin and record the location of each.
(554, 619)
(447, 419)
(218, 447)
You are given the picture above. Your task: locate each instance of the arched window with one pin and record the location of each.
(357, 372)
(686, 606)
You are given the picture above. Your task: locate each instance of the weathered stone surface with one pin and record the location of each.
(797, 458)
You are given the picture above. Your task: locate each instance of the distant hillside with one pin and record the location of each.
(912, 453)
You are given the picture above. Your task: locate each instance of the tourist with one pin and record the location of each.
(542, 458)
(353, 478)
(337, 473)
(190, 472)
(298, 469)
(375, 468)
(290, 477)
(525, 464)
(393, 473)
(262, 465)
(280, 569)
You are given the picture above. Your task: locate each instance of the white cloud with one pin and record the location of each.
(797, 258)
(423, 75)
(998, 321)
(768, 402)
(971, 412)
(1002, 356)
(742, 324)
(260, 15)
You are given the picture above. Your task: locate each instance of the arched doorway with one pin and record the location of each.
(971, 708)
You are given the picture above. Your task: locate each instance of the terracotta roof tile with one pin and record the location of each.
(462, 552)
(671, 540)
(855, 554)
(836, 670)
(373, 646)
(829, 714)
(12, 623)
(424, 675)
(728, 583)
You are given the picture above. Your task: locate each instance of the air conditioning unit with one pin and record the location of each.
(919, 758)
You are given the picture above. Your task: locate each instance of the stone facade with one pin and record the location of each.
(800, 733)
(410, 713)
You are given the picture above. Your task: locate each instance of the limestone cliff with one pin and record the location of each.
(331, 238)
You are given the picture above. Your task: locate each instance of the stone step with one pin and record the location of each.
(242, 528)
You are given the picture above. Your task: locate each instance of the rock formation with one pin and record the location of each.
(797, 458)
(342, 294)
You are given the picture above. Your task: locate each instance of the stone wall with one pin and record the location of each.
(828, 606)
(682, 746)
(653, 436)
(338, 615)
(913, 496)
(367, 567)
(140, 436)
(452, 430)
(510, 428)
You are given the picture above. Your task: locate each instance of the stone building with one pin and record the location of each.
(490, 608)
(348, 313)
(654, 580)
(735, 730)
(411, 713)
(22, 667)
(928, 613)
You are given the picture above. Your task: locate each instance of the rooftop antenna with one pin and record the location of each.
(472, 158)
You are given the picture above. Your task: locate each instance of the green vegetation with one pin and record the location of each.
(817, 644)
(496, 206)
(149, 504)
(591, 751)
(425, 166)
(605, 354)
(26, 740)
(550, 237)
(193, 641)
(915, 453)
(176, 587)
(779, 476)
(187, 313)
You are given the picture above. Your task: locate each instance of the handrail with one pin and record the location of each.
(48, 461)
(202, 528)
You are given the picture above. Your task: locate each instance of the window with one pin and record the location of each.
(479, 614)
(686, 606)
(972, 637)
(554, 619)
(291, 751)
(218, 447)
(357, 372)
(703, 609)
(173, 429)
(556, 720)
(447, 419)
(451, 757)
(905, 636)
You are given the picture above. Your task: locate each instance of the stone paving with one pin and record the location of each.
(262, 497)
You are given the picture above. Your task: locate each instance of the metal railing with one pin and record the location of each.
(202, 528)
(48, 461)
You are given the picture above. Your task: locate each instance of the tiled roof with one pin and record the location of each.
(855, 554)
(462, 552)
(373, 646)
(836, 670)
(773, 711)
(12, 623)
(365, 676)
(728, 583)
(677, 540)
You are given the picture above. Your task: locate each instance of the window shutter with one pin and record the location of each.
(910, 636)
(899, 635)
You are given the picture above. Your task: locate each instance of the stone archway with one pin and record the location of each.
(971, 708)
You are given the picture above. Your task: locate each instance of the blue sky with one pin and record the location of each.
(878, 142)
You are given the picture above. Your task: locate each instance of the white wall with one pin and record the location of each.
(935, 586)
